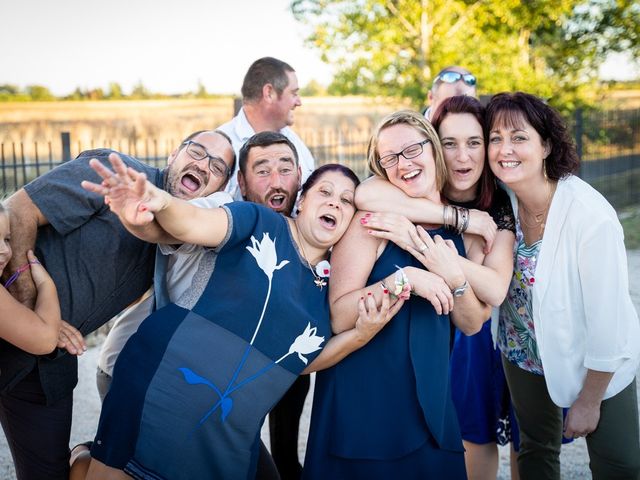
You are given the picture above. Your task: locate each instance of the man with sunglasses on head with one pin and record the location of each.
(450, 82)
(99, 269)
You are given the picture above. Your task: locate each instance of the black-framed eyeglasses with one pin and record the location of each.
(452, 77)
(411, 151)
(216, 164)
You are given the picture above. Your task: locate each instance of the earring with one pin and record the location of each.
(544, 169)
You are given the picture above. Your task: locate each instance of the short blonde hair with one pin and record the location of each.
(420, 124)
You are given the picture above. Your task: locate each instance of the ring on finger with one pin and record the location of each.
(423, 248)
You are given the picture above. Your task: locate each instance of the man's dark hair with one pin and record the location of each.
(263, 139)
(261, 72)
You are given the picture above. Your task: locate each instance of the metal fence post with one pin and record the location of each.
(237, 105)
(579, 129)
(65, 138)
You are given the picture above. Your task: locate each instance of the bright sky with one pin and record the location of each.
(168, 44)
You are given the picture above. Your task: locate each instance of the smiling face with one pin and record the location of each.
(516, 153)
(189, 178)
(415, 176)
(287, 102)
(5, 237)
(326, 209)
(271, 177)
(463, 148)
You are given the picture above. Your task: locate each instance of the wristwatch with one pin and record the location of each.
(459, 291)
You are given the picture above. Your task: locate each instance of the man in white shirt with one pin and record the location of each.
(450, 82)
(270, 94)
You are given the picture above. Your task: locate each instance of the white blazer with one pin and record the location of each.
(582, 310)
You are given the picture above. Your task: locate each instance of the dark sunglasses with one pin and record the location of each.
(452, 77)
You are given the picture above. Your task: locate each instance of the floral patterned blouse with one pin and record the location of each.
(516, 333)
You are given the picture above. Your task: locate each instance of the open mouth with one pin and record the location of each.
(509, 164)
(463, 171)
(277, 201)
(191, 182)
(328, 221)
(411, 175)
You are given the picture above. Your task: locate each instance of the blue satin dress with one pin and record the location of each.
(385, 411)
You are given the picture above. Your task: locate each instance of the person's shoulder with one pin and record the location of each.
(293, 136)
(216, 199)
(244, 207)
(228, 127)
(589, 210)
(584, 195)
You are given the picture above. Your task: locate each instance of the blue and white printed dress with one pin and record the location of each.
(191, 388)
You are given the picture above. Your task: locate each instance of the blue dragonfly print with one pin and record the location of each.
(264, 252)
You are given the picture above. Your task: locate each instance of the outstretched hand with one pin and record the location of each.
(127, 191)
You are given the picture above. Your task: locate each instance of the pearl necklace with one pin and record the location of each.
(317, 280)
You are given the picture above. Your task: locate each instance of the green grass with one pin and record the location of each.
(630, 219)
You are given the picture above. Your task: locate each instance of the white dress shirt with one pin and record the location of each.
(239, 131)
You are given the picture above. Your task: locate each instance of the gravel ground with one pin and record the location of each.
(574, 457)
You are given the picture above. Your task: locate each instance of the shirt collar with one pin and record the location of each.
(244, 130)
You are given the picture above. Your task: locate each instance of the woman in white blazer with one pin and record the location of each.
(568, 331)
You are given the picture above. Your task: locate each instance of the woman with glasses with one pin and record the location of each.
(194, 383)
(386, 411)
(476, 369)
(568, 331)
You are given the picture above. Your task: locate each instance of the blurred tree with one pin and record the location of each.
(201, 91)
(95, 94)
(39, 93)
(77, 94)
(313, 89)
(395, 47)
(12, 93)
(140, 92)
(9, 89)
(115, 91)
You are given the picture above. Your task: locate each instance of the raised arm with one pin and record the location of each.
(25, 218)
(377, 195)
(489, 275)
(138, 202)
(35, 331)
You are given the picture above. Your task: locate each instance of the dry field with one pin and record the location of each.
(125, 125)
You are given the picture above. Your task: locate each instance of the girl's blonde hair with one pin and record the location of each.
(419, 123)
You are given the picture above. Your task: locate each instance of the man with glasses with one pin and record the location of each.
(451, 81)
(99, 269)
(175, 267)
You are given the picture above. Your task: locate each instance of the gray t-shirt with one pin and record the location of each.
(98, 267)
